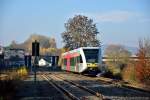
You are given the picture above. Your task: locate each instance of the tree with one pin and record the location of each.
(143, 65)
(80, 32)
(52, 43)
(118, 54)
(45, 43)
(119, 58)
(13, 44)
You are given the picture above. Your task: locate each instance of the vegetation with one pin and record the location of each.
(48, 51)
(143, 65)
(120, 58)
(47, 44)
(9, 84)
(22, 72)
(129, 73)
(80, 32)
(139, 71)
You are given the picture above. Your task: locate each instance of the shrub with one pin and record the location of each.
(113, 71)
(22, 71)
(128, 73)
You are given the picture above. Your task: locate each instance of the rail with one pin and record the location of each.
(51, 78)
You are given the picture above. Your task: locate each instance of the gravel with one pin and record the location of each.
(110, 91)
(41, 90)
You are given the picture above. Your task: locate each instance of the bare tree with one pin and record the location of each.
(80, 32)
(145, 44)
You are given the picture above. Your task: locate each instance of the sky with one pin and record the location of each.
(118, 21)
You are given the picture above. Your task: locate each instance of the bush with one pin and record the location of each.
(22, 72)
(118, 76)
(114, 72)
(129, 73)
(108, 74)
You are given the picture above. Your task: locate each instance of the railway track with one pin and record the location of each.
(112, 89)
(108, 81)
(78, 76)
(72, 90)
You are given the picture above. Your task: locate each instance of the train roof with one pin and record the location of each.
(90, 47)
(75, 50)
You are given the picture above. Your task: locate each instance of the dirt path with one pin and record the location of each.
(28, 90)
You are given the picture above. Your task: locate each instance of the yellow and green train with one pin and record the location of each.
(82, 59)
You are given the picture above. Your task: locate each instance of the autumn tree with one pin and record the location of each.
(143, 64)
(80, 32)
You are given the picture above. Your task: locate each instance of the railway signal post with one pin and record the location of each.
(35, 54)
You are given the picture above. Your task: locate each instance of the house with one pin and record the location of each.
(48, 61)
(44, 62)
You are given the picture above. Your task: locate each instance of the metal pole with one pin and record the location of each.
(34, 69)
(35, 63)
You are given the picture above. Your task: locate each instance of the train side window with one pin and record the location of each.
(65, 61)
(78, 59)
(72, 61)
(81, 61)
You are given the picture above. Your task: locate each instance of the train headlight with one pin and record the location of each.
(92, 65)
(88, 65)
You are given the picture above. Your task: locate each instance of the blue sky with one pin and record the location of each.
(118, 21)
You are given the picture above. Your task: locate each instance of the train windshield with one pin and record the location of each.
(91, 55)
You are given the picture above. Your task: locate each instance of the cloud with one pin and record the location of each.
(113, 16)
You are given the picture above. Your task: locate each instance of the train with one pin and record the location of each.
(83, 59)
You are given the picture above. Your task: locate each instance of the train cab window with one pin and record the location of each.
(91, 55)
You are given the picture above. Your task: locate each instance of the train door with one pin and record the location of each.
(77, 63)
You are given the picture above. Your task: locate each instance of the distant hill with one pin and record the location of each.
(133, 50)
(45, 42)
